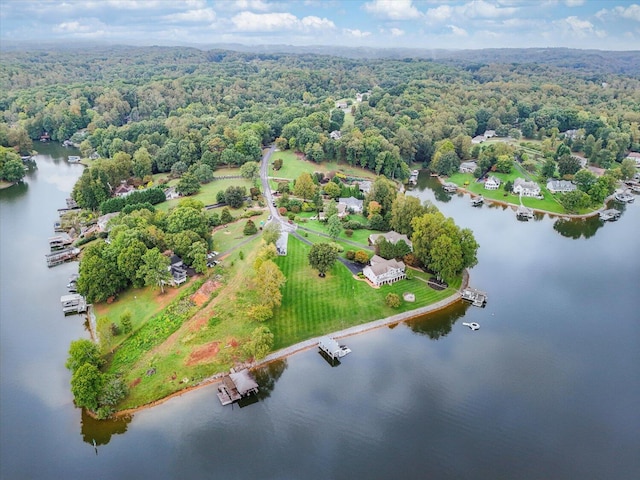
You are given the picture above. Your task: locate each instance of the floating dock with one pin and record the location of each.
(476, 297)
(60, 241)
(62, 256)
(332, 348)
(73, 303)
(610, 215)
(73, 159)
(413, 179)
(235, 386)
(624, 197)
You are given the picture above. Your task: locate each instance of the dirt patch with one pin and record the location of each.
(203, 354)
(135, 382)
(204, 292)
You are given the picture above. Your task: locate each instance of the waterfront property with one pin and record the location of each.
(235, 386)
(526, 188)
(450, 187)
(560, 186)
(468, 167)
(524, 213)
(391, 237)
(492, 183)
(384, 272)
(60, 241)
(477, 201)
(624, 196)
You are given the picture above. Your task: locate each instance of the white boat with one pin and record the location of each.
(472, 325)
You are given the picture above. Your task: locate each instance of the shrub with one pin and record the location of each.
(250, 228)
(350, 254)
(125, 322)
(353, 225)
(392, 300)
(348, 232)
(361, 257)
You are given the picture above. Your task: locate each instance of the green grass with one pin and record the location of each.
(208, 192)
(313, 306)
(227, 237)
(293, 166)
(359, 236)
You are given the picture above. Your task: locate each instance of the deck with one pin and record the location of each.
(236, 386)
(73, 303)
(610, 215)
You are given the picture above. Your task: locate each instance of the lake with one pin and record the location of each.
(547, 388)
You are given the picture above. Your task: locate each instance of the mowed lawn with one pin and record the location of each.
(293, 166)
(208, 191)
(313, 306)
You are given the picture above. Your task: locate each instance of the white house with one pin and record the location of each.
(351, 204)
(384, 272)
(562, 186)
(391, 237)
(335, 135)
(526, 188)
(492, 183)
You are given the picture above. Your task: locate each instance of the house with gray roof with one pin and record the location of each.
(384, 272)
(560, 186)
(526, 188)
(391, 237)
(350, 204)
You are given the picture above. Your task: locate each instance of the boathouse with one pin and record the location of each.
(476, 297)
(235, 386)
(62, 256)
(73, 303)
(332, 348)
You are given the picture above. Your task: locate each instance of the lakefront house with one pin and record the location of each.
(384, 272)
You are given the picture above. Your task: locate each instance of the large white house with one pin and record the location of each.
(384, 272)
(526, 188)
(492, 183)
(561, 186)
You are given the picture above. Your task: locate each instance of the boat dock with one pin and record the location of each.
(610, 215)
(413, 178)
(60, 241)
(73, 303)
(61, 256)
(450, 187)
(73, 159)
(477, 201)
(330, 347)
(235, 386)
(524, 213)
(624, 197)
(476, 297)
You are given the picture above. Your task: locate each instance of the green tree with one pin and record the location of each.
(260, 343)
(250, 170)
(198, 256)
(332, 190)
(628, 168)
(202, 172)
(155, 269)
(392, 300)
(225, 216)
(584, 179)
(549, 168)
(125, 322)
(446, 257)
(568, 165)
(100, 277)
(271, 232)
(141, 163)
(334, 226)
(322, 256)
(234, 196)
(304, 186)
(269, 282)
(574, 201)
(83, 352)
(86, 385)
(188, 184)
(12, 170)
(250, 228)
(404, 209)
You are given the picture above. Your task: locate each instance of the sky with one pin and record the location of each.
(451, 24)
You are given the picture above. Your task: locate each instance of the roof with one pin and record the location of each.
(391, 237)
(329, 344)
(351, 202)
(243, 381)
(380, 265)
(525, 184)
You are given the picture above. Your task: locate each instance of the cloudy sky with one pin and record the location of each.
(599, 24)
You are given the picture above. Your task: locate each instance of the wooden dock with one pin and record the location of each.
(59, 242)
(236, 386)
(476, 297)
(524, 213)
(61, 256)
(450, 187)
(477, 201)
(610, 215)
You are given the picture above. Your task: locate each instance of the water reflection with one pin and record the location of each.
(267, 377)
(12, 194)
(99, 432)
(578, 227)
(438, 325)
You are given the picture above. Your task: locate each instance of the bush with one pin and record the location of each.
(348, 232)
(125, 322)
(392, 300)
(250, 228)
(350, 254)
(361, 257)
(353, 225)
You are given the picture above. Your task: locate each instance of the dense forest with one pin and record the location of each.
(191, 107)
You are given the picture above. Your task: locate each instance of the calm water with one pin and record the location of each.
(548, 388)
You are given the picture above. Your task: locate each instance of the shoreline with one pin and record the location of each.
(311, 343)
(535, 210)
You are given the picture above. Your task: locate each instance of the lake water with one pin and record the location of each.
(548, 388)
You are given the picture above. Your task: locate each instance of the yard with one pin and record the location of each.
(293, 165)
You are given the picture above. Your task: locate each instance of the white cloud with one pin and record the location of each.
(356, 33)
(83, 27)
(439, 14)
(576, 27)
(573, 3)
(632, 12)
(396, 32)
(457, 31)
(266, 22)
(393, 9)
(258, 5)
(199, 15)
(482, 9)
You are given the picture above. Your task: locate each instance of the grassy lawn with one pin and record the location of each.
(208, 191)
(293, 166)
(313, 306)
(359, 236)
(227, 237)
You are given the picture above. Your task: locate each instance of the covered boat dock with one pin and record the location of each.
(236, 386)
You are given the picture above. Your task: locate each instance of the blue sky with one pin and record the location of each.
(599, 24)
